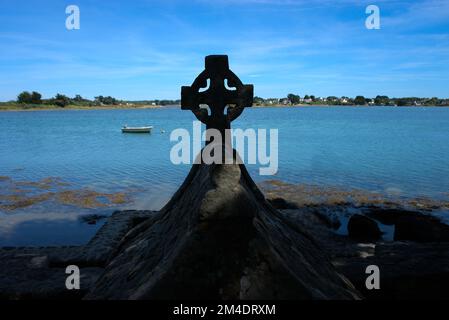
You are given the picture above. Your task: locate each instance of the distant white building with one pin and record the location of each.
(285, 101)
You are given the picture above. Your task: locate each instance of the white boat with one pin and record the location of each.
(127, 129)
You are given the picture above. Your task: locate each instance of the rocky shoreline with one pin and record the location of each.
(354, 229)
(414, 265)
(39, 272)
(413, 260)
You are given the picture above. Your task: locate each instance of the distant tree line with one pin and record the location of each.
(35, 99)
(294, 99)
(165, 102)
(61, 100)
(31, 98)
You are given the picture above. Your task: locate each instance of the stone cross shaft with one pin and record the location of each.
(218, 87)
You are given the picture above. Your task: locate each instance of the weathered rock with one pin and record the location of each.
(330, 215)
(39, 272)
(363, 228)
(282, 204)
(92, 218)
(409, 270)
(25, 274)
(388, 216)
(101, 248)
(421, 229)
(219, 238)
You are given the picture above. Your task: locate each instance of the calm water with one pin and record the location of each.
(381, 149)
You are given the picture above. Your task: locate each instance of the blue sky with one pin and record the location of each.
(147, 49)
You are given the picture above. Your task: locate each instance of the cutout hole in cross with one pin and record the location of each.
(227, 86)
(203, 89)
(205, 106)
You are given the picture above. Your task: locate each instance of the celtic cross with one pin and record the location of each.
(222, 89)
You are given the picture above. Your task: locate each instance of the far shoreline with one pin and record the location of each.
(134, 107)
(78, 108)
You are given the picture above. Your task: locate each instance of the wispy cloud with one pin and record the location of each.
(418, 14)
(278, 44)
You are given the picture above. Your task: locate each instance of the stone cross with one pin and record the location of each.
(223, 89)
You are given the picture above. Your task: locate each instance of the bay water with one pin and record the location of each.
(48, 155)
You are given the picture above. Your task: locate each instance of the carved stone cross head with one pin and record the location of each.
(218, 87)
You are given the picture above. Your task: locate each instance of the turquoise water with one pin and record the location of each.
(378, 149)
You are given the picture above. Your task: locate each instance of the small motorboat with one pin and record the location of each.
(127, 129)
